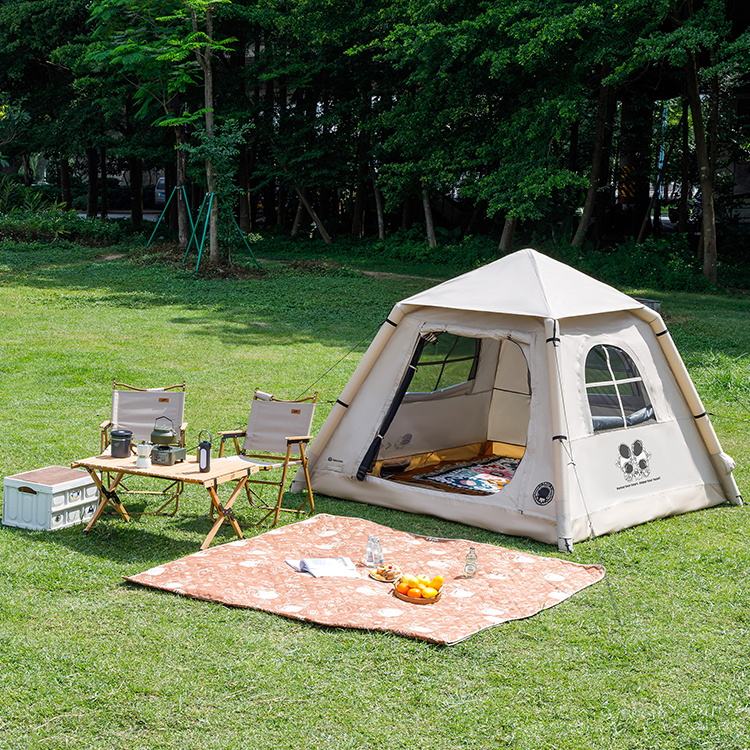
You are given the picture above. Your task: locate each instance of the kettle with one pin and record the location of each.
(164, 434)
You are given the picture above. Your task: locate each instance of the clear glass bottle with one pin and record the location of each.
(370, 552)
(470, 565)
(377, 551)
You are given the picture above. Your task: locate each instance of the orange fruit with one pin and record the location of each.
(414, 593)
(402, 587)
(437, 582)
(429, 593)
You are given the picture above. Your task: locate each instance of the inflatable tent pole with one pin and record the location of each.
(721, 462)
(559, 437)
(382, 337)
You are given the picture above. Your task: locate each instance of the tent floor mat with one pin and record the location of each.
(253, 573)
(485, 476)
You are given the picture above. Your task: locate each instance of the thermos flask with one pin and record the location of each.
(204, 451)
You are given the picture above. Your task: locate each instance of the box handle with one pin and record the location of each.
(27, 490)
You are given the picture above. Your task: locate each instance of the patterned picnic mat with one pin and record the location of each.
(252, 573)
(488, 476)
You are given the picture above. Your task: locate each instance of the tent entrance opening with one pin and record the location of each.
(461, 423)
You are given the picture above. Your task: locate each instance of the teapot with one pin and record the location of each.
(164, 434)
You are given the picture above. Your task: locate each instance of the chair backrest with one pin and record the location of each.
(273, 420)
(137, 410)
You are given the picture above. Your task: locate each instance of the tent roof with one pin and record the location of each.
(526, 283)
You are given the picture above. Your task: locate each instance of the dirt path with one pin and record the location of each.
(371, 274)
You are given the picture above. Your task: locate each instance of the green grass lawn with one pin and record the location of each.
(655, 657)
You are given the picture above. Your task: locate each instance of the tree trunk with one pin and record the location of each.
(313, 215)
(297, 219)
(269, 191)
(597, 166)
(92, 163)
(360, 187)
(28, 174)
(634, 177)
(713, 125)
(65, 190)
(183, 225)
(506, 239)
(170, 180)
(244, 180)
(706, 177)
(205, 59)
(135, 166)
(428, 221)
(682, 206)
(379, 208)
(358, 211)
(104, 208)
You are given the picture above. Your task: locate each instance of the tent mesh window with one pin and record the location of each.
(446, 360)
(615, 390)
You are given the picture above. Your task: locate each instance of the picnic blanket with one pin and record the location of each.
(487, 476)
(252, 573)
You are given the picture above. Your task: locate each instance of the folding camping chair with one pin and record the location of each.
(278, 433)
(136, 409)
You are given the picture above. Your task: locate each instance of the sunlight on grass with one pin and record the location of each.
(88, 662)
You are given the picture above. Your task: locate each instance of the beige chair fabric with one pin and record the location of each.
(271, 422)
(138, 410)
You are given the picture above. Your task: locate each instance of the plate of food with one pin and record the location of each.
(418, 589)
(385, 573)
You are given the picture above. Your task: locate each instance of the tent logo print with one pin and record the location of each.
(543, 493)
(633, 461)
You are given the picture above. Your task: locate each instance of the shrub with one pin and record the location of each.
(52, 224)
(666, 263)
(15, 195)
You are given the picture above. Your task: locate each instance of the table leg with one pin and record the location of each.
(224, 512)
(106, 495)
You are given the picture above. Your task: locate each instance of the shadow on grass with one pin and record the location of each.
(288, 305)
(120, 542)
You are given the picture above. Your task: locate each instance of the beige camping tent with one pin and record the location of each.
(527, 398)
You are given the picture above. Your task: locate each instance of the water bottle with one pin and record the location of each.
(370, 552)
(470, 566)
(377, 551)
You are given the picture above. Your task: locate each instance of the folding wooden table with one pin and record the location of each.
(108, 472)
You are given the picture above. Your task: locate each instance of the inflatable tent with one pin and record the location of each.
(527, 398)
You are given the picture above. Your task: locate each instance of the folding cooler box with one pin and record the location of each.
(48, 499)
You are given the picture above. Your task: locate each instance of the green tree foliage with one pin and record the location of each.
(365, 116)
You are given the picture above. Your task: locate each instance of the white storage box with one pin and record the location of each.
(48, 499)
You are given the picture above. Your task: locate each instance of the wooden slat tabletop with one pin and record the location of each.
(225, 469)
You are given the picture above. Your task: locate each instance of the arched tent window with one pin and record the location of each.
(446, 360)
(615, 390)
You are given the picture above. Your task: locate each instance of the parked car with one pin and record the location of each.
(160, 192)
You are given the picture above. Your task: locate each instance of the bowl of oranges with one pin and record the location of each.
(418, 589)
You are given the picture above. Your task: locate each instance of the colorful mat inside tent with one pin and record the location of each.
(252, 573)
(487, 476)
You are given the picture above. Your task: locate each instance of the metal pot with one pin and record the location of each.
(164, 434)
(121, 440)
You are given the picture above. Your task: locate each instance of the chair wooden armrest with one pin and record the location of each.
(104, 428)
(299, 439)
(232, 433)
